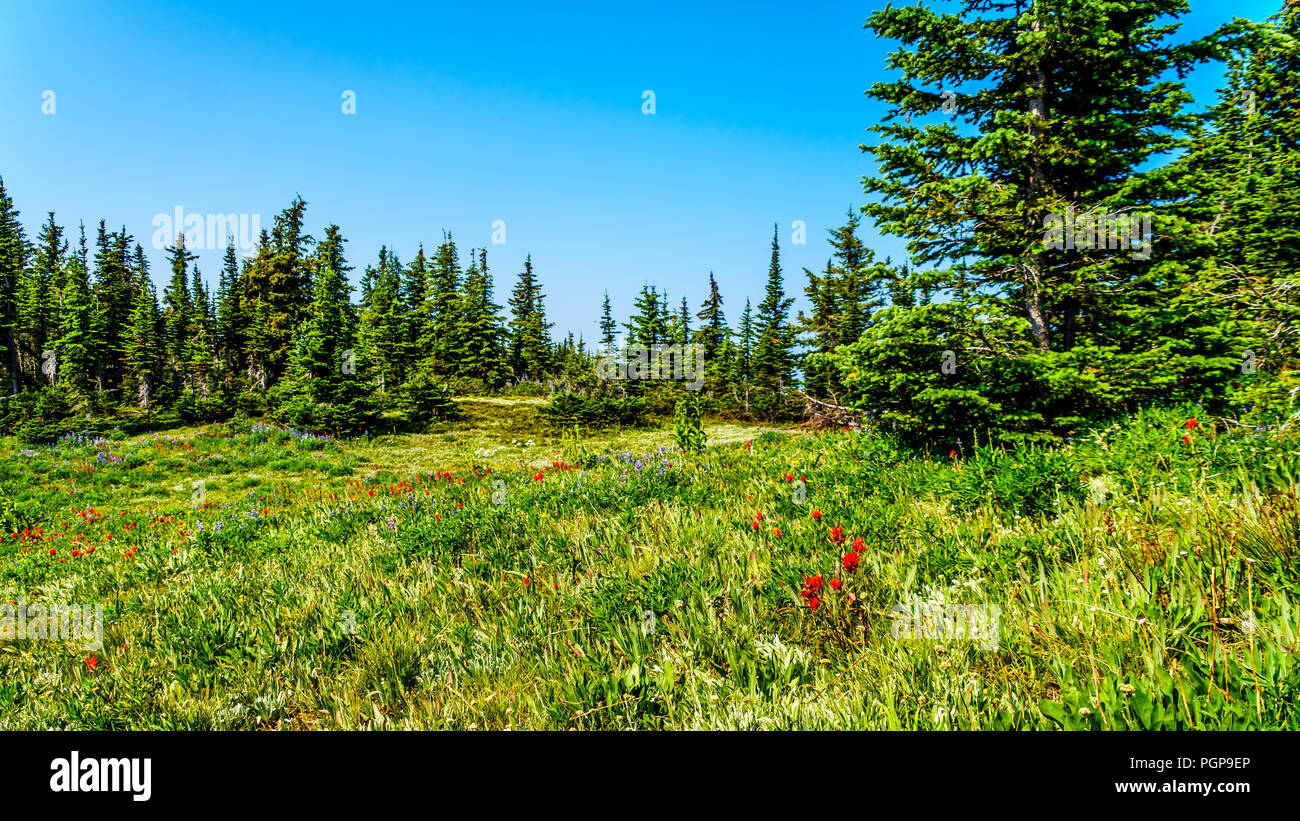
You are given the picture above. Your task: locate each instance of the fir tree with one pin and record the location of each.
(773, 348)
(608, 327)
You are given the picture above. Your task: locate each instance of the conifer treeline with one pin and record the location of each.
(282, 334)
(1065, 107)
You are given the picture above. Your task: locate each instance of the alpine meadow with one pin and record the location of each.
(1023, 453)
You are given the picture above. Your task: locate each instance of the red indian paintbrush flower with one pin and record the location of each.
(1191, 423)
(850, 561)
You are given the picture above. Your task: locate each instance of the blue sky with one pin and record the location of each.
(469, 113)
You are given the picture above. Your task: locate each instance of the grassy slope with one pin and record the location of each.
(374, 583)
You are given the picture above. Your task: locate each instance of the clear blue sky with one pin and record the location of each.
(468, 113)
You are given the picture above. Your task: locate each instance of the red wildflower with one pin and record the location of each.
(789, 477)
(837, 535)
(92, 663)
(527, 581)
(850, 561)
(858, 545)
(1187, 440)
(1191, 423)
(814, 602)
(758, 517)
(953, 454)
(812, 584)
(817, 514)
(835, 584)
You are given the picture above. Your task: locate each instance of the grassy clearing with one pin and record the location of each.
(472, 578)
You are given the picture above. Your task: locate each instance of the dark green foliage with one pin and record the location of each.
(567, 409)
(1001, 117)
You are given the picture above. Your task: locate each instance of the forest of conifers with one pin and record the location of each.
(1083, 240)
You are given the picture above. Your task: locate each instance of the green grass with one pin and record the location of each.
(1142, 582)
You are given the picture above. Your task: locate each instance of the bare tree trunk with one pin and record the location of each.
(1034, 218)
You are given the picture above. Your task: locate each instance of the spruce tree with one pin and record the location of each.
(773, 355)
(14, 253)
(38, 299)
(140, 343)
(479, 332)
(529, 338)
(1057, 106)
(608, 327)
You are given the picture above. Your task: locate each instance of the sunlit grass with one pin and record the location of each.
(493, 575)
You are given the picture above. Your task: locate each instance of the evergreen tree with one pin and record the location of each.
(231, 321)
(649, 325)
(382, 333)
(843, 297)
(324, 386)
(13, 271)
(76, 347)
(773, 348)
(1051, 125)
(178, 314)
(743, 370)
(1242, 221)
(441, 307)
(38, 299)
(529, 332)
(276, 292)
(608, 327)
(114, 293)
(479, 331)
(141, 338)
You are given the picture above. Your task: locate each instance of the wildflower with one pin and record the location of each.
(1191, 424)
(817, 514)
(837, 535)
(835, 584)
(92, 663)
(814, 602)
(851, 561)
(1187, 440)
(789, 477)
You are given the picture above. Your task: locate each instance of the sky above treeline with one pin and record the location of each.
(517, 121)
